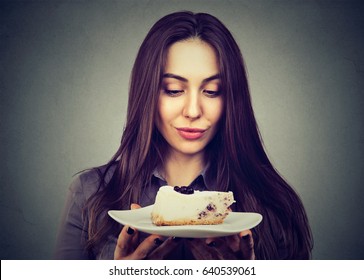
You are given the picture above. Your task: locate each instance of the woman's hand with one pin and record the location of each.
(128, 247)
(152, 247)
(240, 246)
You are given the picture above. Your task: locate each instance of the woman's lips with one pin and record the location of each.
(191, 133)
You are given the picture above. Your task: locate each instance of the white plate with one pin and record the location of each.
(140, 219)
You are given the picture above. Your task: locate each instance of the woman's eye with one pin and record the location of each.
(212, 93)
(173, 92)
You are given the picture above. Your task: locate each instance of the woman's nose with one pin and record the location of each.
(192, 108)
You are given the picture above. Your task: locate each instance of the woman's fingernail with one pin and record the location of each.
(176, 239)
(245, 237)
(130, 231)
(157, 241)
(212, 244)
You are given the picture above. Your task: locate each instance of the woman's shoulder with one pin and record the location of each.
(89, 181)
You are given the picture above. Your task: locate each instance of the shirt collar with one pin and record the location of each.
(203, 181)
(158, 175)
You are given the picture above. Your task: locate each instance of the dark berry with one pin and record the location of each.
(184, 190)
(202, 214)
(190, 190)
(211, 207)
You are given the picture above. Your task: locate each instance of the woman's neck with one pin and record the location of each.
(181, 170)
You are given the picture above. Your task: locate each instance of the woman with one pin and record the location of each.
(189, 122)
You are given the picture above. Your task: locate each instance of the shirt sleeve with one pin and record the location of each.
(72, 232)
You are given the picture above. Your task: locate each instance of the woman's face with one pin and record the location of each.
(190, 102)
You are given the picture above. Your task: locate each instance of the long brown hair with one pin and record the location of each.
(236, 154)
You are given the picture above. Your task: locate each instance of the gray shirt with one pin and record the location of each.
(72, 234)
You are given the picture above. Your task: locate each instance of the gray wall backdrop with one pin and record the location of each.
(64, 74)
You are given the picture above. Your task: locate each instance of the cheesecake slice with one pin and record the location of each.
(185, 206)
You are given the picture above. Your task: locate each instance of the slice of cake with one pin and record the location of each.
(184, 206)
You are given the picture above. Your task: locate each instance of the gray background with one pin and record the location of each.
(64, 73)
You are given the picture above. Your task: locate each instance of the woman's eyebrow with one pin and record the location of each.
(213, 77)
(183, 79)
(173, 76)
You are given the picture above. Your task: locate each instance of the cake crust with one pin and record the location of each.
(159, 221)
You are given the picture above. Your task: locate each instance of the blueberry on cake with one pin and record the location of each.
(185, 206)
